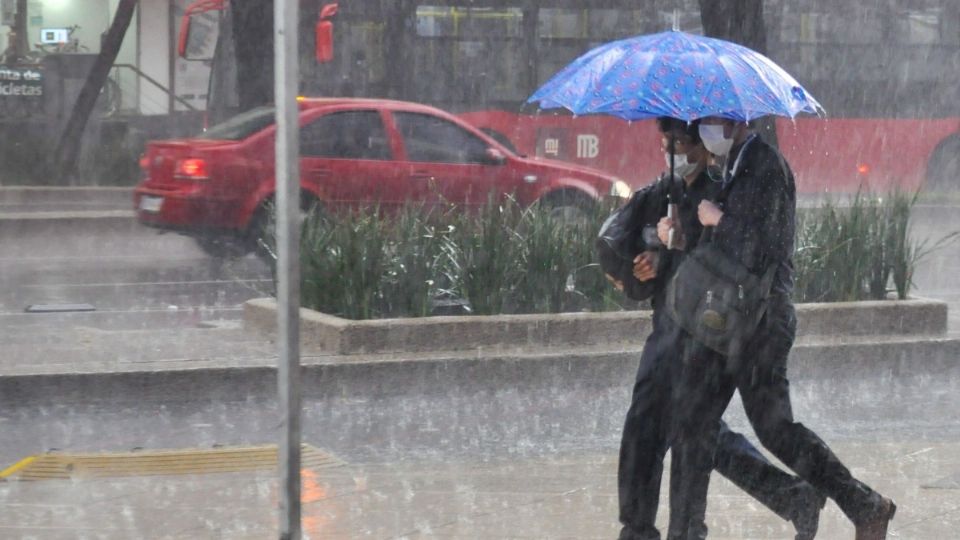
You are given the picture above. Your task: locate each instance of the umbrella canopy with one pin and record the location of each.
(675, 74)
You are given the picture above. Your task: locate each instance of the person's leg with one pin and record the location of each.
(791, 498)
(701, 391)
(765, 390)
(644, 440)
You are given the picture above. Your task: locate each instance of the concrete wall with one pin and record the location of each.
(154, 54)
(125, 78)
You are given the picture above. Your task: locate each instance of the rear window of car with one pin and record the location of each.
(241, 126)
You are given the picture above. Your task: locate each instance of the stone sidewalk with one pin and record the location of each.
(568, 497)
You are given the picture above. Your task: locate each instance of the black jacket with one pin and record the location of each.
(649, 205)
(759, 209)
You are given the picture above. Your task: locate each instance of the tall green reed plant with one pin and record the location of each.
(506, 259)
(343, 264)
(544, 248)
(415, 271)
(482, 255)
(854, 252)
(587, 287)
(907, 253)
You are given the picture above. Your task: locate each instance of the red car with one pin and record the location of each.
(354, 152)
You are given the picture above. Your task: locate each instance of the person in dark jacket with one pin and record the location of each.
(755, 225)
(645, 437)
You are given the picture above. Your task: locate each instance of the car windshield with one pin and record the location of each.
(241, 126)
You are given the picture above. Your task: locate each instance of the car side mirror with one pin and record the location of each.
(493, 156)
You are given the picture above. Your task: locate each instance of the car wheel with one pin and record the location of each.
(260, 236)
(568, 206)
(943, 169)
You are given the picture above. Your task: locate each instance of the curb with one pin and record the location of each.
(384, 376)
(76, 215)
(460, 405)
(77, 205)
(333, 335)
(70, 224)
(47, 194)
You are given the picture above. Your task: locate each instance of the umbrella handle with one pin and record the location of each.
(671, 206)
(671, 213)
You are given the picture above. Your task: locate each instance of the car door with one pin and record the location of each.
(446, 163)
(345, 158)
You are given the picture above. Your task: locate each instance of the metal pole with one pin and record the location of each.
(172, 55)
(286, 83)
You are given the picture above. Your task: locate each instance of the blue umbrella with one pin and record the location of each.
(675, 74)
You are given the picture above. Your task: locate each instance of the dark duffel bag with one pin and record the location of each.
(717, 300)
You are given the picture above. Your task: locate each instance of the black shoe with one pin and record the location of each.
(875, 527)
(627, 533)
(807, 504)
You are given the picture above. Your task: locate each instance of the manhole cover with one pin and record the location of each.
(58, 308)
(64, 465)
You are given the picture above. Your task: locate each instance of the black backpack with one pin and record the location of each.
(621, 239)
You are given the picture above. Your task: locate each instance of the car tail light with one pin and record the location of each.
(191, 169)
(144, 166)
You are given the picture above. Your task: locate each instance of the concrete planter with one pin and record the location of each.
(322, 333)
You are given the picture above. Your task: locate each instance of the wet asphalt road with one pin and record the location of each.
(135, 277)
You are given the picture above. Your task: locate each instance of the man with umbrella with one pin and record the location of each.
(645, 434)
(692, 77)
(756, 227)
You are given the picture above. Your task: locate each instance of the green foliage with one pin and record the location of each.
(484, 253)
(416, 265)
(502, 258)
(854, 252)
(343, 264)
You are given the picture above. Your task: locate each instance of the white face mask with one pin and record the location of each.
(681, 166)
(714, 140)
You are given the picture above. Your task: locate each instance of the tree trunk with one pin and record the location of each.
(68, 148)
(740, 21)
(22, 43)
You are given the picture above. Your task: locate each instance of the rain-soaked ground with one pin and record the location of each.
(441, 466)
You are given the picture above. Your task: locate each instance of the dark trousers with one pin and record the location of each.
(705, 383)
(646, 438)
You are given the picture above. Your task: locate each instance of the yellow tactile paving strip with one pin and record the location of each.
(65, 465)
